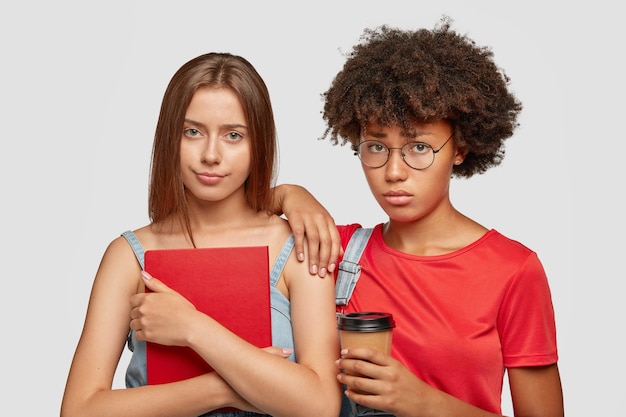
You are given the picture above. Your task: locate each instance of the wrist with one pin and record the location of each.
(280, 193)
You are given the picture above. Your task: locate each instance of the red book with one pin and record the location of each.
(229, 284)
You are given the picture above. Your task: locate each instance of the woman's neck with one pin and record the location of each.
(435, 235)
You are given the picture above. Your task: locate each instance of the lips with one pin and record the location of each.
(397, 194)
(398, 198)
(209, 178)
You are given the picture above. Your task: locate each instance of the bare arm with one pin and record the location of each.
(535, 391)
(308, 218)
(88, 389)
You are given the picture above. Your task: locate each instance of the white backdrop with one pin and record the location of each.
(80, 92)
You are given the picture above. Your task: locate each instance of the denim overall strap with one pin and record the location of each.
(280, 262)
(134, 243)
(136, 374)
(349, 268)
(347, 277)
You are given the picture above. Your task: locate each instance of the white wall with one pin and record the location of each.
(80, 91)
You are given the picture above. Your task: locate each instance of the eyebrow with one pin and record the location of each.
(228, 125)
(408, 134)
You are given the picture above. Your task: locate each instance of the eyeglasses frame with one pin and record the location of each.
(355, 148)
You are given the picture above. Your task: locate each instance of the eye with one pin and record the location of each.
(417, 148)
(191, 132)
(234, 136)
(376, 147)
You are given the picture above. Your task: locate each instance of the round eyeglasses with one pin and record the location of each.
(417, 155)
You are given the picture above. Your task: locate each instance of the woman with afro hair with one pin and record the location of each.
(470, 305)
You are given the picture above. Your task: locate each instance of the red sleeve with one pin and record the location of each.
(526, 320)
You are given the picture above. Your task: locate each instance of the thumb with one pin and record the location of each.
(154, 284)
(282, 352)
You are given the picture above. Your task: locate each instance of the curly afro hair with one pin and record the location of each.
(394, 77)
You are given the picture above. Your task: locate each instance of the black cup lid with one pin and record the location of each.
(365, 321)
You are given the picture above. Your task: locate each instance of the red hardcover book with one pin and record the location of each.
(229, 284)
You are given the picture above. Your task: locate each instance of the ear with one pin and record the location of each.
(459, 156)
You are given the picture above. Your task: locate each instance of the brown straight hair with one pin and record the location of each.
(215, 70)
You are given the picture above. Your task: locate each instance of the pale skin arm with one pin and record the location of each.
(535, 391)
(270, 383)
(88, 391)
(308, 218)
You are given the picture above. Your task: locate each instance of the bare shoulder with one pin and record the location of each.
(119, 266)
(281, 225)
(277, 233)
(120, 249)
(281, 232)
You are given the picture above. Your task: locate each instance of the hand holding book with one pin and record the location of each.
(159, 314)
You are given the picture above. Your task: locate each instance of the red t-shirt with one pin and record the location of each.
(463, 317)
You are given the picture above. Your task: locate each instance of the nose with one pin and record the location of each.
(211, 153)
(396, 169)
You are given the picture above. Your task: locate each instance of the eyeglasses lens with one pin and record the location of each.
(416, 155)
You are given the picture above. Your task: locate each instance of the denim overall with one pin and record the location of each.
(347, 277)
(282, 335)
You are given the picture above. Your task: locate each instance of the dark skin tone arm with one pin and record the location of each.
(535, 391)
(321, 233)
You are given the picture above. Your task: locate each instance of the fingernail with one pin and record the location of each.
(287, 351)
(314, 269)
(146, 275)
(322, 272)
(331, 268)
(301, 257)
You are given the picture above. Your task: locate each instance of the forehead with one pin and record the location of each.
(209, 103)
(414, 128)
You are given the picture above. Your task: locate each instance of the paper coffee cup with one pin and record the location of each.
(368, 329)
